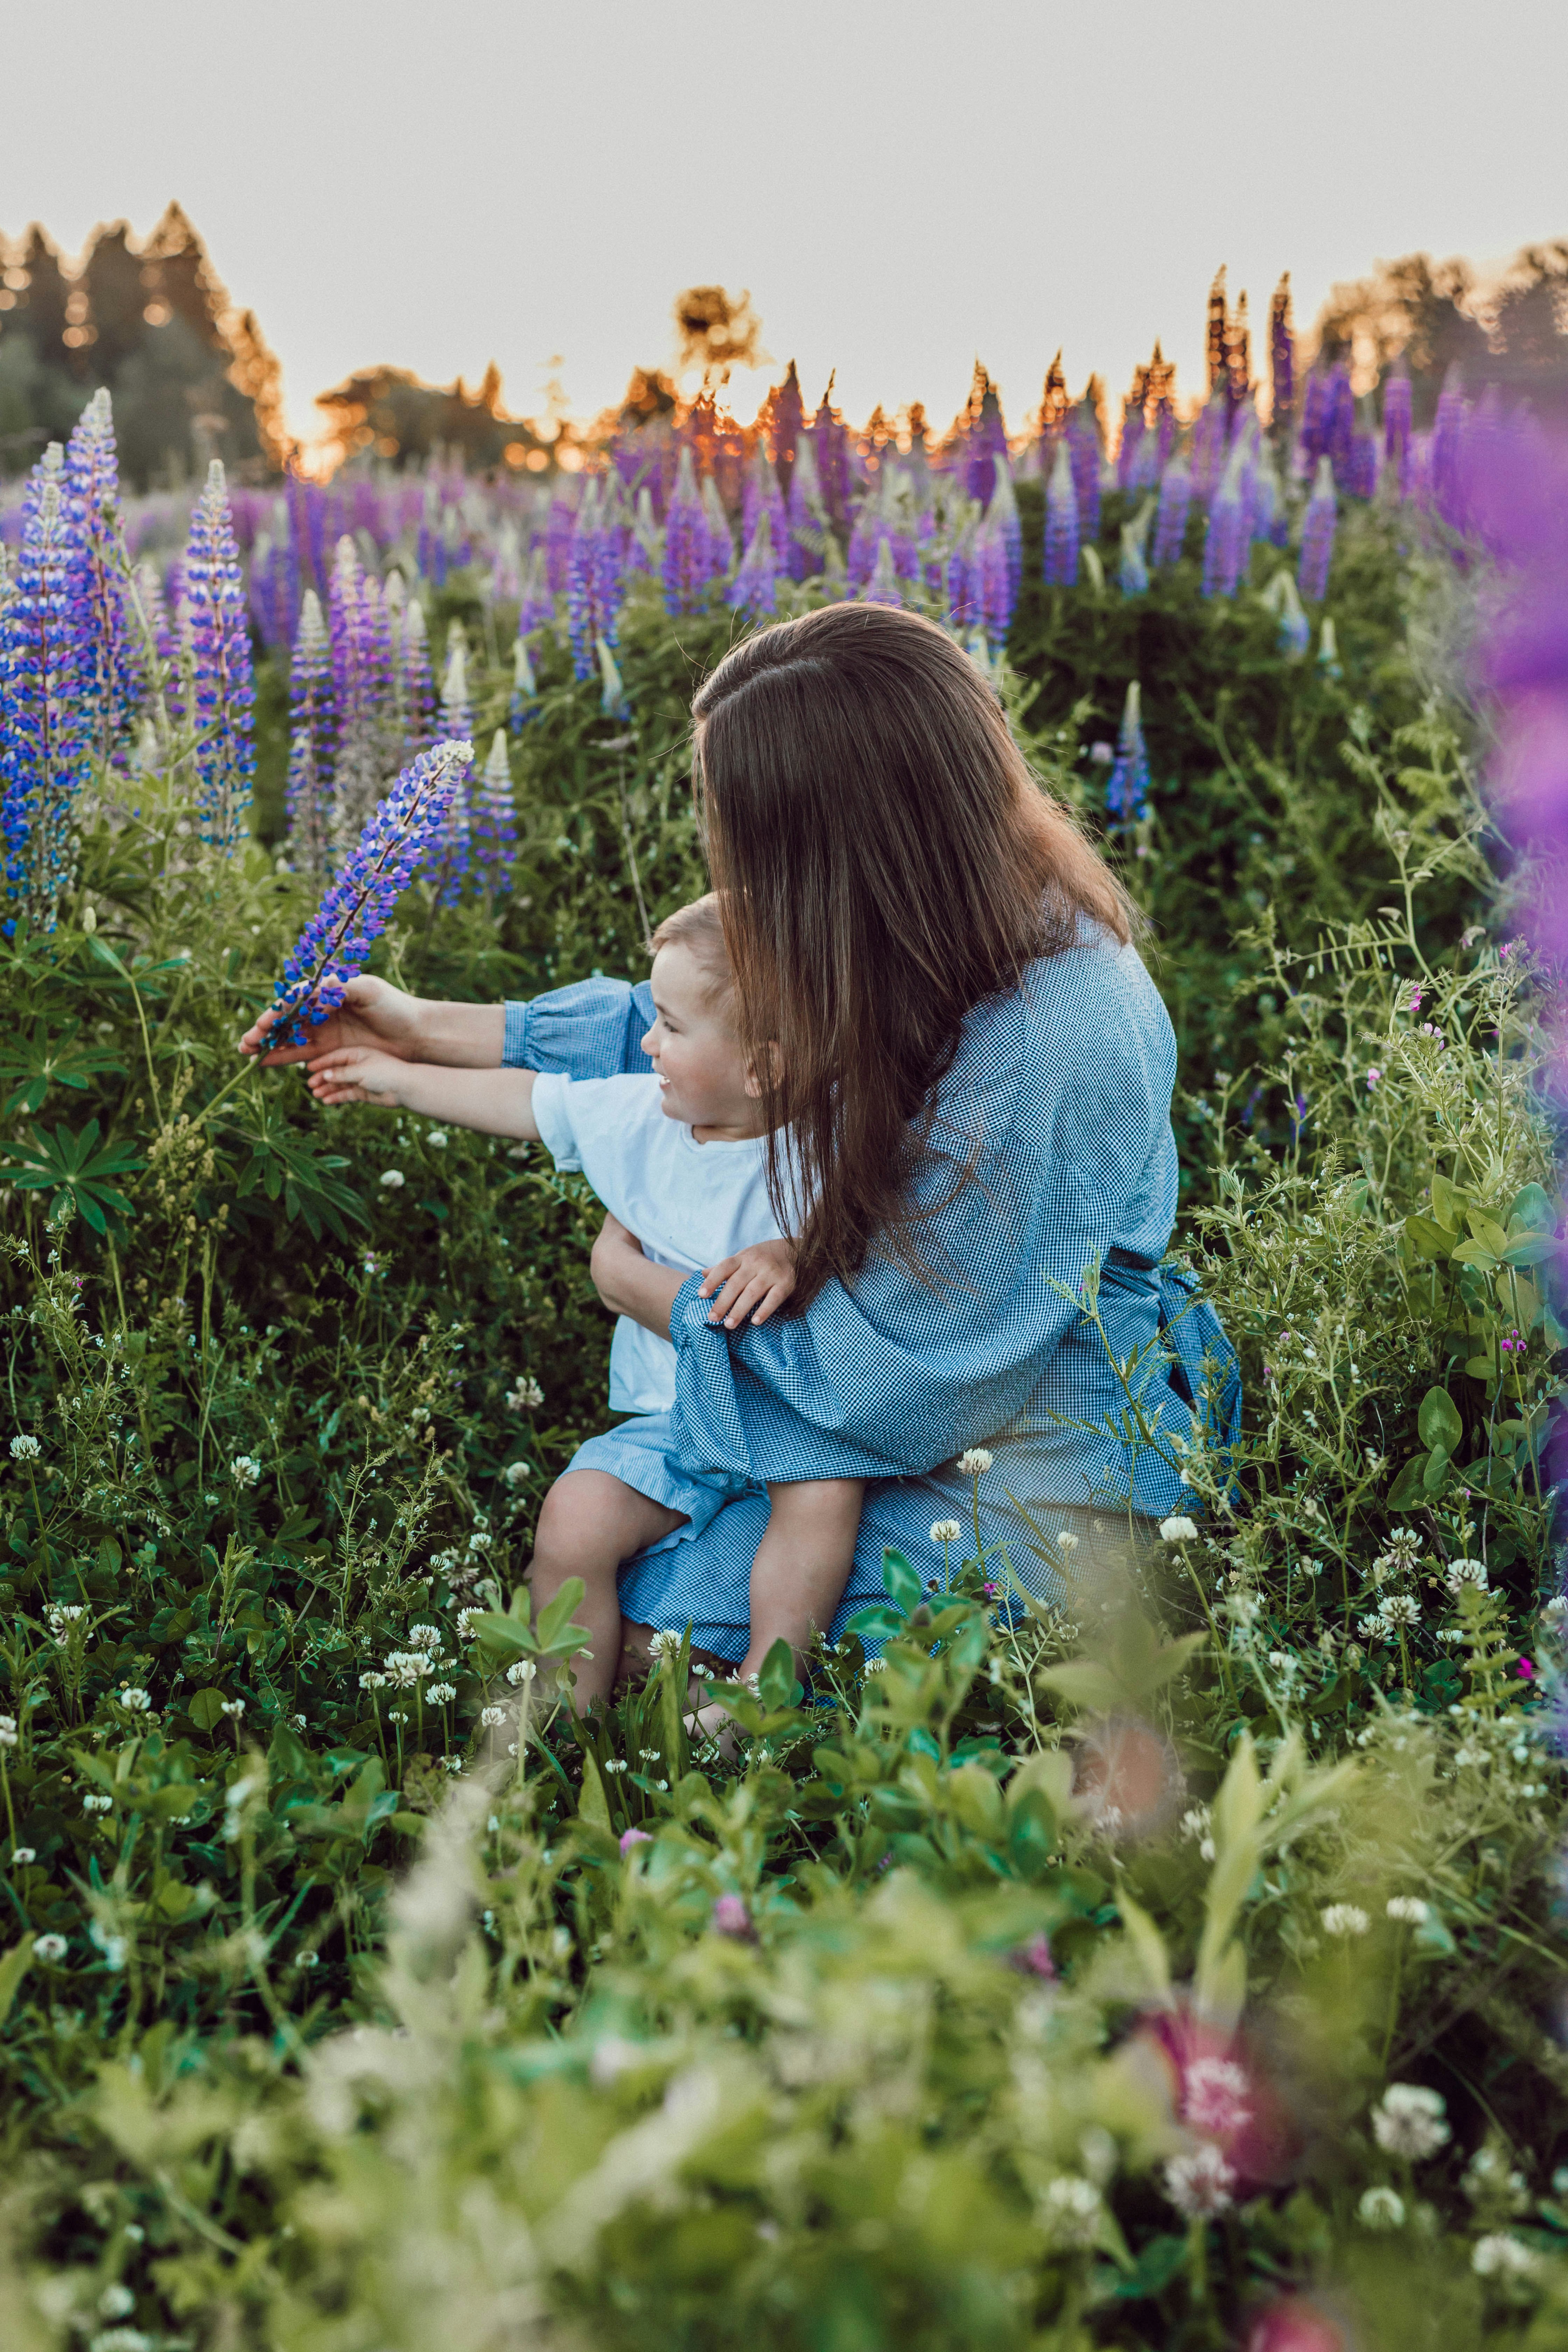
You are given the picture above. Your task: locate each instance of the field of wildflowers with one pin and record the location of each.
(1178, 1966)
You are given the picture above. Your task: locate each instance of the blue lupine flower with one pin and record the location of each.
(46, 710)
(595, 583)
(214, 588)
(1317, 535)
(1398, 418)
(91, 491)
(1226, 540)
(1061, 567)
(1339, 424)
(495, 816)
(1127, 786)
(761, 496)
(1171, 522)
(1083, 448)
(1002, 516)
(961, 581)
(1211, 446)
(754, 591)
(537, 608)
(406, 828)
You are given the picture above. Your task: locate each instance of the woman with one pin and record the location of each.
(967, 1077)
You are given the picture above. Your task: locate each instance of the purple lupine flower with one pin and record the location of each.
(830, 448)
(361, 658)
(806, 548)
(1312, 439)
(754, 591)
(524, 703)
(1317, 535)
(1211, 437)
(1084, 450)
(1133, 572)
(1061, 567)
(993, 583)
(883, 588)
(1282, 354)
(1171, 522)
(1397, 415)
(1267, 518)
(215, 600)
(1004, 508)
(1361, 467)
(761, 496)
(274, 599)
(596, 583)
(686, 552)
(1339, 423)
(45, 712)
(988, 442)
(495, 818)
(536, 607)
(418, 695)
(1227, 541)
(1447, 440)
(721, 538)
(91, 492)
(405, 829)
(1127, 786)
(788, 421)
(506, 565)
(147, 591)
(312, 710)
(560, 524)
(961, 581)
(457, 723)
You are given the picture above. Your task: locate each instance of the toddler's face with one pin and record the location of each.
(693, 1047)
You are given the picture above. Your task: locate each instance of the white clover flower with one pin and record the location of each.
(876, 1666)
(437, 1139)
(49, 1947)
(1381, 2209)
(24, 1449)
(1409, 1909)
(451, 1763)
(1373, 1629)
(22, 1854)
(1409, 2121)
(1460, 1572)
(516, 1473)
(492, 1718)
(9, 1734)
(612, 1764)
(116, 2301)
(1200, 2184)
(233, 1708)
(61, 1615)
(523, 1670)
(95, 1804)
(648, 1755)
(1066, 1540)
(423, 1637)
(400, 1714)
(245, 1470)
(666, 1644)
(1398, 1609)
(525, 1395)
(1178, 1530)
(1344, 1919)
(1072, 2208)
(121, 2339)
(442, 1693)
(974, 1461)
(138, 1701)
(480, 1540)
(1555, 1610)
(945, 1531)
(1502, 2256)
(372, 1682)
(466, 1620)
(406, 1667)
(394, 1179)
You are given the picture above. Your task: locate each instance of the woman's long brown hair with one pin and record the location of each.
(885, 860)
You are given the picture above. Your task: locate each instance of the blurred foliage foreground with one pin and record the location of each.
(1178, 1967)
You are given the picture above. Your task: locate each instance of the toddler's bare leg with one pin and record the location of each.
(798, 1576)
(589, 1525)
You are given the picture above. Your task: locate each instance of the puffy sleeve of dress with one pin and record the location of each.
(1051, 1145)
(590, 1030)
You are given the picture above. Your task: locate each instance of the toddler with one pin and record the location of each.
(678, 1158)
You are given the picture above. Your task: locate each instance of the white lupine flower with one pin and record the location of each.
(1381, 2209)
(49, 1947)
(523, 1670)
(945, 1531)
(974, 1461)
(24, 1449)
(1200, 2184)
(442, 1693)
(1501, 2256)
(1178, 1530)
(394, 1179)
(1345, 1919)
(1409, 2121)
(1409, 1909)
(245, 1470)
(492, 1718)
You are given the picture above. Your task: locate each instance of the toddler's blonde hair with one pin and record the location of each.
(699, 927)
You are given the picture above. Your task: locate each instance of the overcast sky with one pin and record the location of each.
(900, 187)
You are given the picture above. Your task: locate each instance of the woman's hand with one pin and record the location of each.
(373, 1013)
(630, 1283)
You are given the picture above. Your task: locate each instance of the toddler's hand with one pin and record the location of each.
(755, 1282)
(358, 1073)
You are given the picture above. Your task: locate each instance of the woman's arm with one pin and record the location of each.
(630, 1283)
(413, 1028)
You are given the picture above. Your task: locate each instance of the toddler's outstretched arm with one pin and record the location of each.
(495, 1102)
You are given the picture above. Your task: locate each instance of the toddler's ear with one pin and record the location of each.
(755, 1083)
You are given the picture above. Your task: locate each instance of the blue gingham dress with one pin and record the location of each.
(1060, 1094)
